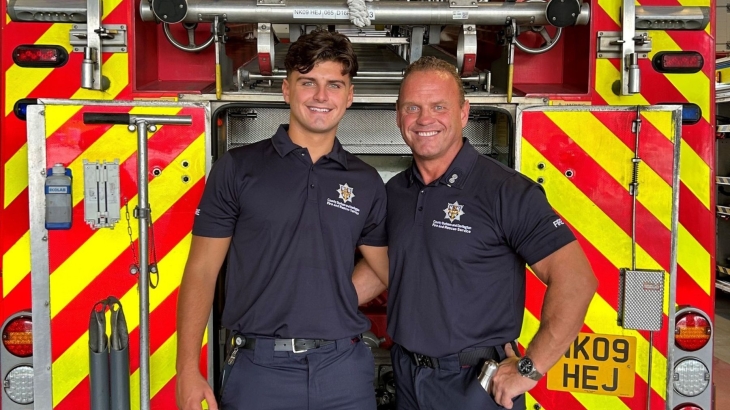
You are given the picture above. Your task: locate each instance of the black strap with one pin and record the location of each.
(290, 345)
(472, 357)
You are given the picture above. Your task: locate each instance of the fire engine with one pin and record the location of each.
(114, 111)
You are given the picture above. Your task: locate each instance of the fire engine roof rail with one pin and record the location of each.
(385, 12)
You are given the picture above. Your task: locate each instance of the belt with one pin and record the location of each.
(467, 358)
(289, 345)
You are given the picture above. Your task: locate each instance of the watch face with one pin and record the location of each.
(524, 366)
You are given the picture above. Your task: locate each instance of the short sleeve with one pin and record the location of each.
(218, 210)
(373, 233)
(528, 222)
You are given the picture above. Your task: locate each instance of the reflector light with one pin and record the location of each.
(18, 336)
(692, 331)
(21, 107)
(40, 56)
(691, 377)
(678, 62)
(19, 384)
(687, 407)
(691, 113)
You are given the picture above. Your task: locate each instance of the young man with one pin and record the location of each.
(461, 227)
(289, 212)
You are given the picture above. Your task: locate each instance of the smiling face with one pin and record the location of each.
(431, 117)
(317, 99)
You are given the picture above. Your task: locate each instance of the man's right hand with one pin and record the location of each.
(191, 390)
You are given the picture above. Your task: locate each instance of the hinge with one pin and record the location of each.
(113, 38)
(609, 44)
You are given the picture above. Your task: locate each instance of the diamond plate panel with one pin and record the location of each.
(641, 299)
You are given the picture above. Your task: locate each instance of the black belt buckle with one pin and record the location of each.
(423, 360)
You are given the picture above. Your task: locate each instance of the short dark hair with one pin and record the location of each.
(429, 63)
(320, 46)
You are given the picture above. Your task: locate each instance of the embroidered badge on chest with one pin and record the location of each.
(346, 193)
(454, 212)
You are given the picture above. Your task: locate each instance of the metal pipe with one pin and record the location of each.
(385, 12)
(358, 79)
(144, 290)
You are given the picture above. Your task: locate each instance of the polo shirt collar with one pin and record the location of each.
(284, 145)
(457, 173)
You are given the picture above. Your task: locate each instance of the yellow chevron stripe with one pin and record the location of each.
(16, 263)
(116, 69)
(7, 19)
(22, 80)
(117, 142)
(614, 156)
(25, 80)
(662, 121)
(695, 174)
(73, 365)
(105, 245)
(162, 369)
(694, 87)
(697, 179)
(16, 175)
(530, 324)
(614, 244)
(697, 3)
(17, 166)
(606, 75)
(583, 214)
(612, 9)
(694, 259)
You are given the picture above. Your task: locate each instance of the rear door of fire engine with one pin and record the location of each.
(85, 238)
(612, 175)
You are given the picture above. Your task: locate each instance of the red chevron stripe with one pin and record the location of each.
(691, 293)
(162, 314)
(653, 146)
(164, 146)
(698, 220)
(17, 34)
(602, 21)
(164, 398)
(16, 226)
(554, 400)
(700, 41)
(115, 279)
(80, 394)
(18, 299)
(663, 91)
(612, 198)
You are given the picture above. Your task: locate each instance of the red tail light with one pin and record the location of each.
(692, 331)
(687, 407)
(18, 336)
(40, 56)
(678, 62)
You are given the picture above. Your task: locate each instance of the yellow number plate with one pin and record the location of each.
(594, 363)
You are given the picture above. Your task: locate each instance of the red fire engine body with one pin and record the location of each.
(608, 104)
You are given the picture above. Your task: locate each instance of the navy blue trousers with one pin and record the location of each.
(338, 376)
(448, 387)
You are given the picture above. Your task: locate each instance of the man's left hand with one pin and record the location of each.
(508, 383)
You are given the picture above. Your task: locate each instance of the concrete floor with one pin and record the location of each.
(721, 364)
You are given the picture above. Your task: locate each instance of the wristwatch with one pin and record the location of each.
(527, 369)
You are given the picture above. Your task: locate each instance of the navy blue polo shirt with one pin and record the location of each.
(294, 226)
(458, 249)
